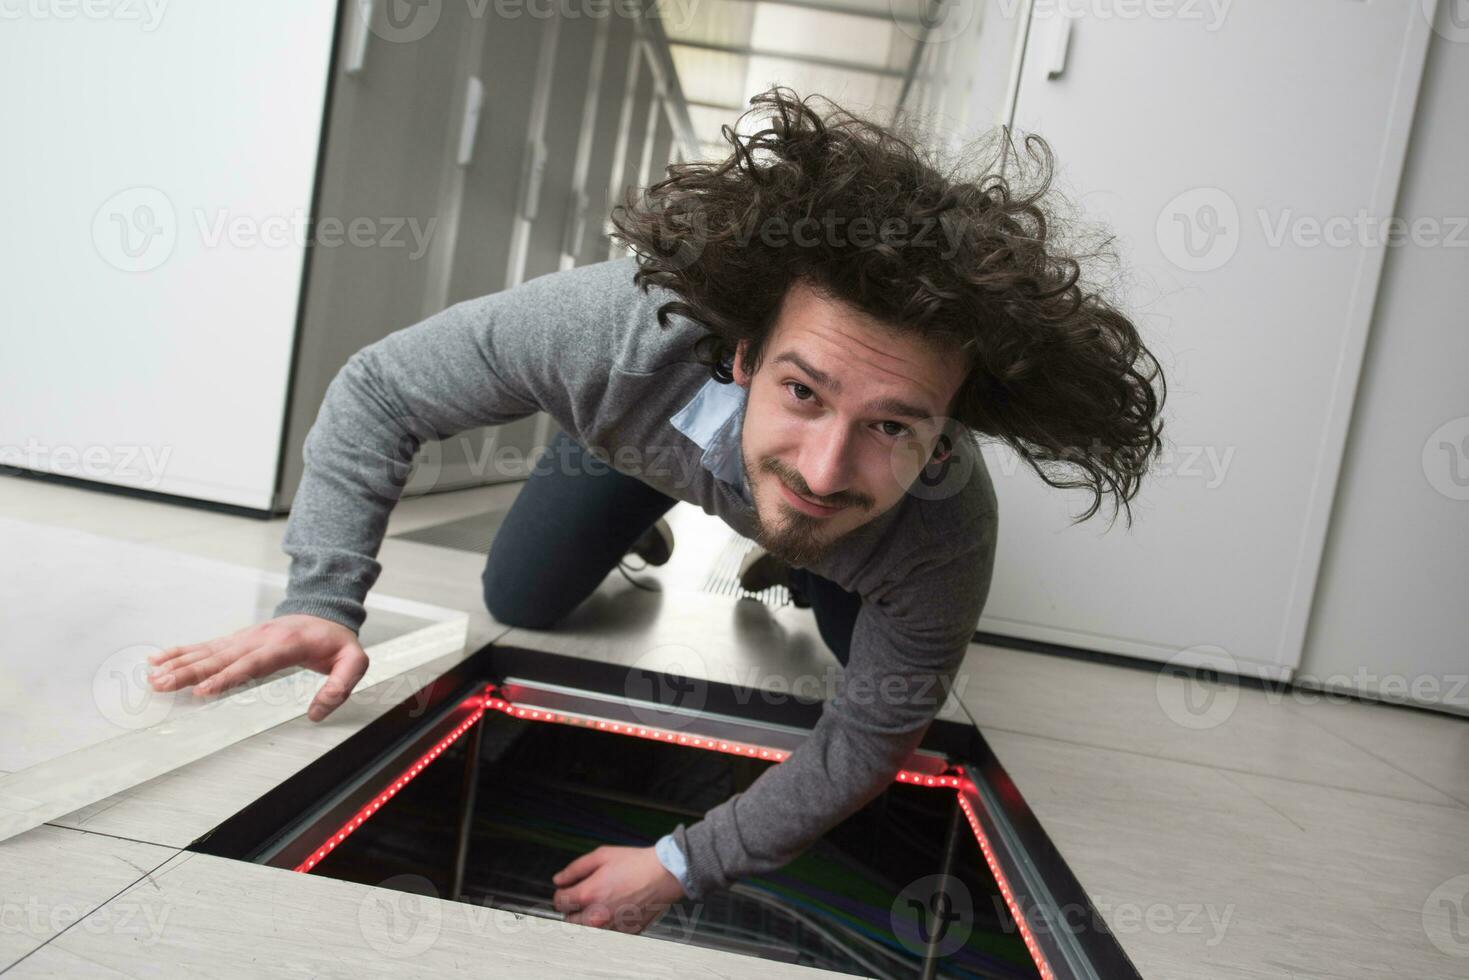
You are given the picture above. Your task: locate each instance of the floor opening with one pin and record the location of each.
(862, 900)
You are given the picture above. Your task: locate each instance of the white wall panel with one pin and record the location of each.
(156, 182)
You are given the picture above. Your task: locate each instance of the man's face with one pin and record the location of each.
(842, 411)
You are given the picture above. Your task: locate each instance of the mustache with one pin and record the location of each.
(793, 480)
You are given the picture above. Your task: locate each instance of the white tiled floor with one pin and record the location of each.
(53, 877)
(80, 721)
(312, 926)
(1263, 845)
(1272, 734)
(1281, 839)
(96, 874)
(108, 604)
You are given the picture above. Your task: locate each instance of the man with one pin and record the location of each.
(806, 341)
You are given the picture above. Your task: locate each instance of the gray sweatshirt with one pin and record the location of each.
(585, 346)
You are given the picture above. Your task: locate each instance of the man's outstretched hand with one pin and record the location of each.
(622, 888)
(295, 640)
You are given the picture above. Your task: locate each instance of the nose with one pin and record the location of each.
(825, 462)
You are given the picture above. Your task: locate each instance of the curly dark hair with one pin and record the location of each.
(1055, 372)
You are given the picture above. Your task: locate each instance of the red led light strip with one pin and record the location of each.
(694, 741)
(488, 701)
(360, 817)
(1009, 896)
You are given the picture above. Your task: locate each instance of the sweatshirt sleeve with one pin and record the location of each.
(541, 346)
(904, 655)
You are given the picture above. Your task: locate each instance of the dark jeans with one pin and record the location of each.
(569, 528)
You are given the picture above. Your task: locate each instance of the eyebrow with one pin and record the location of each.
(891, 406)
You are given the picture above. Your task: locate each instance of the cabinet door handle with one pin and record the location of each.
(357, 42)
(532, 166)
(575, 228)
(1060, 43)
(474, 100)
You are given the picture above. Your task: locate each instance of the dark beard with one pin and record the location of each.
(797, 543)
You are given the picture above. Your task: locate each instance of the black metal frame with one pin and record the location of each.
(283, 826)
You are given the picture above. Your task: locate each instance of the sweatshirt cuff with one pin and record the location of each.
(343, 611)
(673, 860)
(705, 873)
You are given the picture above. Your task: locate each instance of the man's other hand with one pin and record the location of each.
(622, 888)
(217, 665)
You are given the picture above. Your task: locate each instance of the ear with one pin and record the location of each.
(741, 378)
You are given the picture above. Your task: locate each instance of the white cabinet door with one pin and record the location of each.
(1232, 148)
(156, 179)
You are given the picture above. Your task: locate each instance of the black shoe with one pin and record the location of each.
(655, 546)
(760, 570)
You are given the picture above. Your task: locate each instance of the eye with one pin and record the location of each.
(802, 393)
(792, 385)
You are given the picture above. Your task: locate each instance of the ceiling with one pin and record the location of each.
(856, 52)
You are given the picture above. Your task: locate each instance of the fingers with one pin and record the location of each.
(568, 900)
(254, 663)
(579, 869)
(597, 916)
(202, 663)
(577, 906)
(347, 670)
(164, 656)
(629, 918)
(223, 664)
(172, 659)
(574, 899)
(175, 657)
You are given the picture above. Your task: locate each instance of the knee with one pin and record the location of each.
(513, 605)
